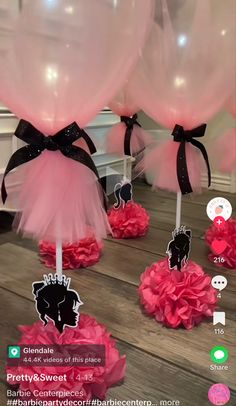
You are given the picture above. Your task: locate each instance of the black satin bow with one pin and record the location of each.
(37, 142)
(129, 122)
(182, 136)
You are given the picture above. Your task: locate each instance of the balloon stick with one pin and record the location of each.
(125, 167)
(59, 259)
(178, 210)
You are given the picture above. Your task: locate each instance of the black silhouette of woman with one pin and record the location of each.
(56, 302)
(123, 193)
(178, 248)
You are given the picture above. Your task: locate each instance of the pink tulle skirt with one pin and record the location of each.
(161, 164)
(115, 139)
(58, 198)
(225, 152)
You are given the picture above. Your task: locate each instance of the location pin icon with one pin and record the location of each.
(14, 351)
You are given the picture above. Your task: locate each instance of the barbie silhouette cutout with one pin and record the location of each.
(55, 301)
(123, 193)
(179, 247)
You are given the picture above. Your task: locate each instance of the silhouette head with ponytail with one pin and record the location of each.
(123, 193)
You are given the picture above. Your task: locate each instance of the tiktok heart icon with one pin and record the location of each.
(218, 246)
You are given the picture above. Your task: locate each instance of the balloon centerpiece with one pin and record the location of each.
(184, 76)
(127, 138)
(59, 67)
(181, 59)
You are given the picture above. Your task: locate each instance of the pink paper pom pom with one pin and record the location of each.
(177, 298)
(130, 221)
(86, 252)
(228, 234)
(100, 379)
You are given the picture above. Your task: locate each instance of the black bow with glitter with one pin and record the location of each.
(129, 122)
(37, 142)
(182, 136)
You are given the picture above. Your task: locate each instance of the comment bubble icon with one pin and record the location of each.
(219, 282)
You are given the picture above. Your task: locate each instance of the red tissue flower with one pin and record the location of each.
(177, 298)
(130, 221)
(228, 234)
(85, 253)
(90, 382)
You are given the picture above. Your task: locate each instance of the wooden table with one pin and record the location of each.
(163, 364)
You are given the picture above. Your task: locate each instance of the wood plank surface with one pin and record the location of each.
(124, 318)
(139, 383)
(161, 206)
(162, 364)
(156, 242)
(3, 394)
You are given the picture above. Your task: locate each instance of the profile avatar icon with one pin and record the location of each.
(179, 247)
(55, 301)
(124, 193)
(219, 209)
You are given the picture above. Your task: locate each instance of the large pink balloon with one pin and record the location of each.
(184, 75)
(67, 58)
(61, 61)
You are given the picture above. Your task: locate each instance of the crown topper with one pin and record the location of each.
(55, 280)
(180, 230)
(178, 248)
(56, 302)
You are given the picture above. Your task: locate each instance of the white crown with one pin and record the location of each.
(177, 231)
(55, 280)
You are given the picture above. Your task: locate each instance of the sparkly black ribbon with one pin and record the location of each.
(129, 122)
(182, 136)
(37, 142)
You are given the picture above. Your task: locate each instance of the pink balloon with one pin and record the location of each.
(184, 73)
(65, 59)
